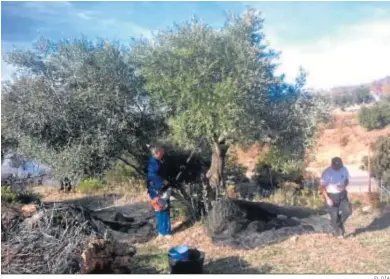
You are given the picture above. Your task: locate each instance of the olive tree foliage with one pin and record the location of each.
(381, 159)
(220, 85)
(78, 106)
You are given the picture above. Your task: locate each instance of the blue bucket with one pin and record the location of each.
(179, 253)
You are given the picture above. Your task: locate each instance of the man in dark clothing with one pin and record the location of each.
(334, 181)
(156, 186)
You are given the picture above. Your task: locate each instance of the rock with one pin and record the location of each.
(281, 217)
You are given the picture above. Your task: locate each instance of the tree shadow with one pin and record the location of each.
(234, 265)
(182, 227)
(380, 223)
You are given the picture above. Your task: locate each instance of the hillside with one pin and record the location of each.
(380, 87)
(342, 137)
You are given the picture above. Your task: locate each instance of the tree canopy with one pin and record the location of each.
(77, 105)
(221, 84)
(80, 105)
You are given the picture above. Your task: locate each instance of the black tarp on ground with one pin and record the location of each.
(249, 225)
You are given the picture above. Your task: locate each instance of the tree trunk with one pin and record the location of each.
(215, 173)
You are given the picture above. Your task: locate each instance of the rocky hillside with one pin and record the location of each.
(343, 137)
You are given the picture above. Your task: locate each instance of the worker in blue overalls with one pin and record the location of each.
(156, 187)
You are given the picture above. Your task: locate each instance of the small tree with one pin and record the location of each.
(376, 116)
(381, 159)
(219, 85)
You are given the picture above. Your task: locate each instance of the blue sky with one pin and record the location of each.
(337, 43)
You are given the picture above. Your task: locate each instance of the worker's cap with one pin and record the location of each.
(336, 161)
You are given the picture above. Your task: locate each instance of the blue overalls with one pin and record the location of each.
(155, 184)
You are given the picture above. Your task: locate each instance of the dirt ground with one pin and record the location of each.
(364, 250)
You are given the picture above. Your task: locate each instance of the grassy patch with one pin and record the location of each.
(150, 259)
(89, 186)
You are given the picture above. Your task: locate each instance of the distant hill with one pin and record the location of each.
(380, 87)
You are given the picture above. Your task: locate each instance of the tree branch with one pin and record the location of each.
(140, 171)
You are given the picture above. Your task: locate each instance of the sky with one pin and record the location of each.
(336, 43)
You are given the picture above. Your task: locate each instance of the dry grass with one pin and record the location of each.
(120, 195)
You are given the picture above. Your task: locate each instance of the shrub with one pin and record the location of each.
(7, 194)
(24, 197)
(90, 185)
(276, 167)
(376, 116)
(380, 166)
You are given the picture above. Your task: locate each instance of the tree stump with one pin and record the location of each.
(105, 257)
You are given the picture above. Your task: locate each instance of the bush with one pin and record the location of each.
(376, 116)
(7, 194)
(24, 197)
(353, 96)
(380, 166)
(90, 185)
(276, 167)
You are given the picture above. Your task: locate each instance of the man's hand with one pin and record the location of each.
(341, 187)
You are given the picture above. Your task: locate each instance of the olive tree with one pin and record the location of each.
(381, 159)
(78, 106)
(220, 85)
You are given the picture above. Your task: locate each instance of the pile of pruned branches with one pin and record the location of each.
(52, 241)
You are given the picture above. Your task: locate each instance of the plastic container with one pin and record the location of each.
(179, 253)
(192, 265)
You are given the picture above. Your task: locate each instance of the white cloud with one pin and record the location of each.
(6, 71)
(355, 54)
